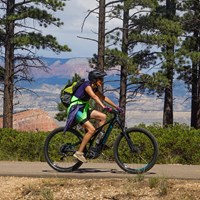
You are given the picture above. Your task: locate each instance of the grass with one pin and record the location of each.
(163, 184)
(153, 182)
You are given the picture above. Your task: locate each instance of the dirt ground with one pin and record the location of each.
(97, 189)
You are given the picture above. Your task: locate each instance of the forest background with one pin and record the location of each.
(157, 37)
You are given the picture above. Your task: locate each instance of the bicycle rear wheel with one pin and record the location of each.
(138, 152)
(59, 148)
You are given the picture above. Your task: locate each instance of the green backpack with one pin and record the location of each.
(68, 91)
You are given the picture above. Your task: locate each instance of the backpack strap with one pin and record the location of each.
(75, 100)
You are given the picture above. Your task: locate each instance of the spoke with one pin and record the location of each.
(143, 159)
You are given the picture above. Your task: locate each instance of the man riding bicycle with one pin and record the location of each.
(80, 112)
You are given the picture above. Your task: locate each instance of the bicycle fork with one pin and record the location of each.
(133, 148)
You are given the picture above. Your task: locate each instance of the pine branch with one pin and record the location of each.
(86, 38)
(89, 12)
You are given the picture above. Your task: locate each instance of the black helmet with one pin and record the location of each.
(95, 74)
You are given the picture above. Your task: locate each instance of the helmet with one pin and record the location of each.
(95, 74)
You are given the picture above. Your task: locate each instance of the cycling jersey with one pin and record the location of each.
(82, 94)
(79, 109)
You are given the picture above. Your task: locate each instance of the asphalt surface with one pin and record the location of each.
(96, 170)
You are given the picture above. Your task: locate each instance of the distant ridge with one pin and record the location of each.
(63, 68)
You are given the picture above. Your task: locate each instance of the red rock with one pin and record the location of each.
(32, 120)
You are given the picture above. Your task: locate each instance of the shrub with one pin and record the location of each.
(16, 145)
(177, 144)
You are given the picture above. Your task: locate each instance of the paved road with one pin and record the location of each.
(96, 170)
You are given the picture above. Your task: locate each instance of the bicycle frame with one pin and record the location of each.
(114, 120)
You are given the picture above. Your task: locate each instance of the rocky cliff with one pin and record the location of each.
(32, 120)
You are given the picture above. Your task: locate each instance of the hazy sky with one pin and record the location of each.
(73, 15)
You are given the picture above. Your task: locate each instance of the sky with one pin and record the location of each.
(73, 16)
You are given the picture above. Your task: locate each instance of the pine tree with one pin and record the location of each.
(164, 34)
(153, 25)
(169, 54)
(101, 42)
(126, 38)
(17, 35)
(190, 72)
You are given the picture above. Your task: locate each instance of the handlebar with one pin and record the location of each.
(116, 112)
(111, 110)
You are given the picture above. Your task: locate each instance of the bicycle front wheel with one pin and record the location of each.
(136, 151)
(59, 148)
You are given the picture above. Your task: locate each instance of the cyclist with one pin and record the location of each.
(80, 112)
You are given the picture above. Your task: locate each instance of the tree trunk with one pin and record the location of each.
(9, 69)
(198, 101)
(194, 97)
(124, 74)
(168, 106)
(123, 88)
(101, 37)
(168, 100)
(101, 42)
(195, 110)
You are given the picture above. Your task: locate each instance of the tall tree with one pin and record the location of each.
(151, 25)
(169, 49)
(190, 73)
(97, 61)
(126, 39)
(9, 67)
(164, 33)
(101, 41)
(124, 67)
(18, 35)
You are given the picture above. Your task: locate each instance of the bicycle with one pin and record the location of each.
(135, 149)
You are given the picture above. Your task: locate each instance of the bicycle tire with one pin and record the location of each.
(144, 154)
(59, 148)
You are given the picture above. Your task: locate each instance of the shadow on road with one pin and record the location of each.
(94, 170)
